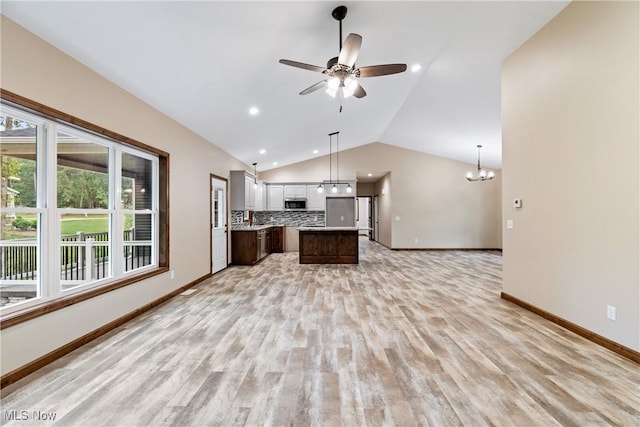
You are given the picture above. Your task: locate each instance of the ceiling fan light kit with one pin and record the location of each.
(342, 75)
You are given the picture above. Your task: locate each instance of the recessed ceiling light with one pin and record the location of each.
(262, 151)
(253, 111)
(415, 68)
(275, 163)
(315, 151)
(369, 174)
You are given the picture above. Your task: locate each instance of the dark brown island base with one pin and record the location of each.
(328, 245)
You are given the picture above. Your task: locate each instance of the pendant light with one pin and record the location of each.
(334, 188)
(334, 185)
(482, 174)
(255, 176)
(349, 189)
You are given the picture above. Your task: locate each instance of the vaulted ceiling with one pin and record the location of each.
(206, 63)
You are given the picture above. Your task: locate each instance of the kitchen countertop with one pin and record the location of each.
(328, 228)
(252, 227)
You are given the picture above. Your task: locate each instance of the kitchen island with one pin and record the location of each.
(328, 245)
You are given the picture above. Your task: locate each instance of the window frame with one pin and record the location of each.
(39, 210)
(39, 306)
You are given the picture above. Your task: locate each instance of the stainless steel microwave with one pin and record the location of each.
(295, 204)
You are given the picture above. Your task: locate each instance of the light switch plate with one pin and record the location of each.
(509, 224)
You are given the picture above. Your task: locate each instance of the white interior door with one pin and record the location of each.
(218, 224)
(364, 216)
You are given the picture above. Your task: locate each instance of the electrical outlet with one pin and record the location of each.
(172, 274)
(415, 240)
(611, 312)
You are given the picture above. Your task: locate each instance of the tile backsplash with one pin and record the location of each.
(236, 217)
(290, 218)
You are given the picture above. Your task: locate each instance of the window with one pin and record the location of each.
(82, 192)
(138, 207)
(80, 211)
(21, 216)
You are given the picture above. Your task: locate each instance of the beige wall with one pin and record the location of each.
(365, 189)
(429, 195)
(571, 151)
(34, 69)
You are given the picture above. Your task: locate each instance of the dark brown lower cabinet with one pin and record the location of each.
(249, 246)
(277, 239)
(268, 240)
(328, 246)
(244, 247)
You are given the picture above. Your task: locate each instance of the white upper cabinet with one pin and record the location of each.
(242, 192)
(261, 197)
(250, 192)
(295, 191)
(275, 198)
(315, 200)
(277, 193)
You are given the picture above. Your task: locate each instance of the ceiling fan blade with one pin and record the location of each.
(359, 92)
(350, 50)
(303, 65)
(315, 87)
(381, 70)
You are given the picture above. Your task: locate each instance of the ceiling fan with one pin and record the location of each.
(341, 71)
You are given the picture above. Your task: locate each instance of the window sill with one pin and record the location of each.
(50, 306)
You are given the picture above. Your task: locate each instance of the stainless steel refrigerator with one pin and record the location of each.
(341, 212)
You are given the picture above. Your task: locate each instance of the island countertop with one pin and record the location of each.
(328, 228)
(236, 227)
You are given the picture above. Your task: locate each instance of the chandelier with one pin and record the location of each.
(481, 175)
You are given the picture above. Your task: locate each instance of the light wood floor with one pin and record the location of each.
(403, 338)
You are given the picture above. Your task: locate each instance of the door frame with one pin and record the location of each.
(369, 213)
(375, 213)
(226, 216)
